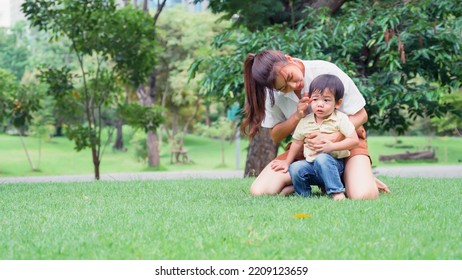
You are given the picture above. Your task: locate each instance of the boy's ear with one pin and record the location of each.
(339, 102)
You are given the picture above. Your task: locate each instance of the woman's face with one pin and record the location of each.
(290, 78)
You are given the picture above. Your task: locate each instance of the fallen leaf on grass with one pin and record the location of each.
(301, 216)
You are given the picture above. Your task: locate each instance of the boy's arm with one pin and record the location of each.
(294, 150)
(283, 165)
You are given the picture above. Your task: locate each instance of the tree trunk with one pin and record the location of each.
(422, 155)
(31, 164)
(207, 114)
(152, 142)
(175, 121)
(119, 142)
(333, 5)
(96, 162)
(262, 150)
(148, 98)
(152, 139)
(58, 130)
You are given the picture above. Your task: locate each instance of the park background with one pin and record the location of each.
(103, 86)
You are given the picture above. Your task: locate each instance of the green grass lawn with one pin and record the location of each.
(59, 157)
(448, 149)
(218, 219)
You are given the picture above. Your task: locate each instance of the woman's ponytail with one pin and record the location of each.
(255, 97)
(260, 72)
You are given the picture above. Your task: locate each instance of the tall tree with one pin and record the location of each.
(147, 93)
(400, 53)
(18, 104)
(97, 32)
(183, 37)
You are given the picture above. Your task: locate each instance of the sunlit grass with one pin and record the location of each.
(218, 219)
(60, 158)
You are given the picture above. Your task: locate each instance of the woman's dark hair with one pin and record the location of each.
(327, 81)
(260, 73)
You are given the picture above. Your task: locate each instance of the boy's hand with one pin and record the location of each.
(280, 165)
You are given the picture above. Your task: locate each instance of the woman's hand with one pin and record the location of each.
(324, 147)
(302, 106)
(280, 165)
(316, 139)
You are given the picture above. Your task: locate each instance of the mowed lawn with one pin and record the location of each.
(218, 219)
(58, 156)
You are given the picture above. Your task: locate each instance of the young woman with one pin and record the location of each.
(276, 86)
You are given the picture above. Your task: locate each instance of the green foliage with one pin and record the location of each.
(142, 117)
(83, 136)
(183, 37)
(42, 124)
(84, 22)
(66, 102)
(8, 86)
(25, 102)
(18, 102)
(132, 45)
(221, 129)
(403, 57)
(59, 81)
(14, 53)
(451, 123)
(140, 146)
(257, 14)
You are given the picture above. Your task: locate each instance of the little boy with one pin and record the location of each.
(324, 166)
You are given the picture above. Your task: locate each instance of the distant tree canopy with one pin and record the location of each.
(14, 54)
(404, 55)
(257, 14)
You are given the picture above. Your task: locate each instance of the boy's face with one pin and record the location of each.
(323, 103)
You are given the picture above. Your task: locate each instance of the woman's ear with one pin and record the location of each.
(289, 58)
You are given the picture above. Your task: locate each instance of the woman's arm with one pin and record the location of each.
(359, 118)
(283, 129)
(327, 146)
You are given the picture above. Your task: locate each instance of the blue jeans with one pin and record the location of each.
(325, 171)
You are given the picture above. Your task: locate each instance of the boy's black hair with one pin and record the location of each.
(328, 81)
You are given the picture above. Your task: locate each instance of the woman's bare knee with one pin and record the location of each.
(270, 182)
(256, 189)
(359, 181)
(363, 193)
